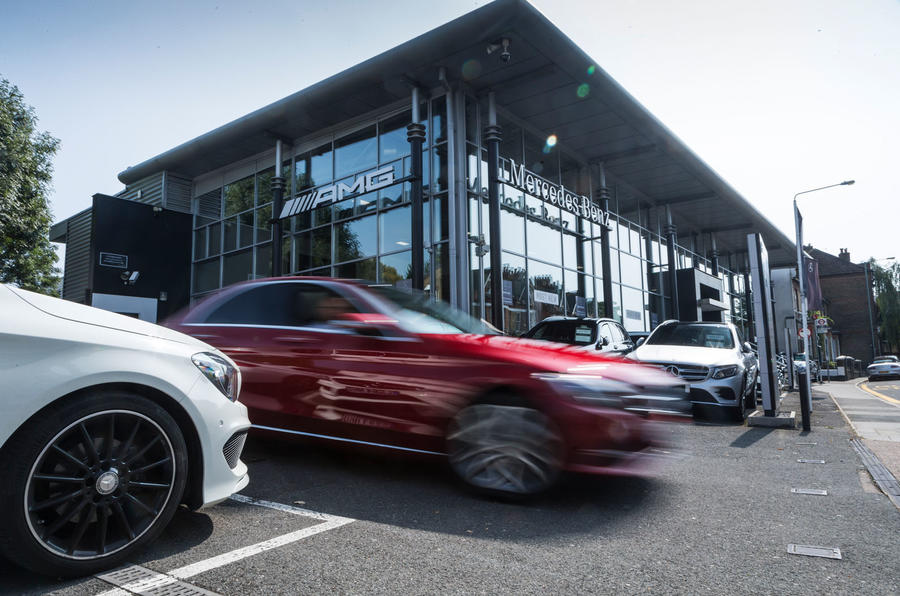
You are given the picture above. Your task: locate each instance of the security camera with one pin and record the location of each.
(503, 46)
(130, 277)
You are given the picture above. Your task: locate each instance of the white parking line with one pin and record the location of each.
(329, 522)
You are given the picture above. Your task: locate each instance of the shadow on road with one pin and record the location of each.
(751, 436)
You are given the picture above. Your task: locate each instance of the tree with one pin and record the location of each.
(27, 258)
(886, 281)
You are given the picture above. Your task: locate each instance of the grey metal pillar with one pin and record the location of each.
(606, 251)
(277, 198)
(415, 134)
(714, 255)
(492, 137)
(671, 237)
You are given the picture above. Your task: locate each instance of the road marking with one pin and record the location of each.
(878, 395)
(329, 522)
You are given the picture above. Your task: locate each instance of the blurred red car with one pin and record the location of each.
(373, 365)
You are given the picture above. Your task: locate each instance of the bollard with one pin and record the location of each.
(803, 381)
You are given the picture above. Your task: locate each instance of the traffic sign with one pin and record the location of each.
(822, 322)
(804, 333)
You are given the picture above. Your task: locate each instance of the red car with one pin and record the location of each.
(373, 365)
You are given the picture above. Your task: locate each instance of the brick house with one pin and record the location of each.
(849, 302)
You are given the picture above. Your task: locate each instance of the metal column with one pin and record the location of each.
(415, 134)
(277, 197)
(492, 136)
(670, 230)
(606, 253)
(714, 255)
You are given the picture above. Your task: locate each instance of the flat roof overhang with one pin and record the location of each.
(647, 162)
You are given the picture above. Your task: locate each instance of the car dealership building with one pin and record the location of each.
(491, 143)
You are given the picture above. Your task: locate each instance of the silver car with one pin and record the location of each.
(883, 367)
(719, 366)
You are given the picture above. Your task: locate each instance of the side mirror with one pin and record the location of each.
(640, 342)
(604, 341)
(747, 347)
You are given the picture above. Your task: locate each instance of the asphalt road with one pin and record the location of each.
(885, 388)
(716, 519)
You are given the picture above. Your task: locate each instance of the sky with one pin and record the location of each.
(777, 96)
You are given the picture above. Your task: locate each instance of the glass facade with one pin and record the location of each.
(552, 259)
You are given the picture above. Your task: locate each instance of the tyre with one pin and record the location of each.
(505, 450)
(90, 481)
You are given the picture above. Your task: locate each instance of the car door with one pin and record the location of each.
(623, 343)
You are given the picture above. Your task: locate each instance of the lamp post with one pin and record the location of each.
(805, 391)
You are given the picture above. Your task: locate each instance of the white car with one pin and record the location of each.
(108, 424)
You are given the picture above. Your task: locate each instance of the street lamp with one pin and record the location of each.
(806, 400)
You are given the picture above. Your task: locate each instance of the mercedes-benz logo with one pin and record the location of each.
(672, 370)
(107, 483)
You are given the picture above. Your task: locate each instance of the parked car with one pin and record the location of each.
(813, 365)
(883, 367)
(108, 424)
(712, 357)
(601, 335)
(340, 361)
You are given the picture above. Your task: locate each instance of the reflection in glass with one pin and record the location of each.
(544, 241)
(392, 143)
(357, 270)
(635, 316)
(263, 225)
(515, 295)
(512, 231)
(546, 287)
(632, 271)
(239, 196)
(264, 261)
(439, 118)
(206, 276)
(396, 230)
(396, 267)
(231, 228)
(320, 165)
(215, 239)
(237, 267)
(245, 228)
(200, 243)
(355, 239)
(355, 152)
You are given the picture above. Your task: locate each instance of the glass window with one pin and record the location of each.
(545, 240)
(441, 223)
(392, 143)
(546, 290)
(471, 120)
(634, 312)
(439, 169)
(541, 158)
(607, 334)
(206, 276)
(515, 295)
(264, 183)
(472, 168)
(263, 226)
(355, 152)
(356, 238)
(215, 239)
(511, 141)
(231, 228)
(237, 267)
(364, 269)
(245, 228)
(632, 270)
(396, 267)
(578, 333)
(396, 229)
(320, 165)
(437, 269)
(264, 261)
(239, 196)
(571, 244)
(200, 243)
(302, 179)
(512, 230)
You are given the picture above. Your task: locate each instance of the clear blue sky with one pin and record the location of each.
(776, 96)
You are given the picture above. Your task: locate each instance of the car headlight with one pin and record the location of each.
(220, 373)
(724, 372)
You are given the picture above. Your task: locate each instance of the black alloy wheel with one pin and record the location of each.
(91, 482)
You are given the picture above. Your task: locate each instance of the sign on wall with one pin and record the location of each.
(555, 194)
(330, 193)
(111, 259)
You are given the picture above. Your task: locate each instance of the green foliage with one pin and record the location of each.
(886, 281)
(27, 258)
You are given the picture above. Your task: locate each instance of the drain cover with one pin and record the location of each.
(809, 491)
(814, 551)
(811, 461)
(135, 579)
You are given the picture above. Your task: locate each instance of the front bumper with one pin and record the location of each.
(221, 426)
(718, 392)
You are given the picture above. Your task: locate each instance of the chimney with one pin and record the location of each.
(845, 255)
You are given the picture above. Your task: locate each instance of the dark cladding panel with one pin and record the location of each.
(78, 257)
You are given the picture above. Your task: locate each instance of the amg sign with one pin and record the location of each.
(555, 194)
(335, 192)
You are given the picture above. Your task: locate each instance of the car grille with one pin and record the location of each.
(688, 372)
(233, 448)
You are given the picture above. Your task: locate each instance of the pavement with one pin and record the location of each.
(873, 411)
(716, 518)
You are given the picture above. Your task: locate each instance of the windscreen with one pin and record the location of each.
(416, 312)
(685, 334)
(576, 333)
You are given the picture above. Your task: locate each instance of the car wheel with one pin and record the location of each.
(505, 450)
(88, 482)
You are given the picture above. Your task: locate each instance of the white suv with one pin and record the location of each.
(108, 424)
